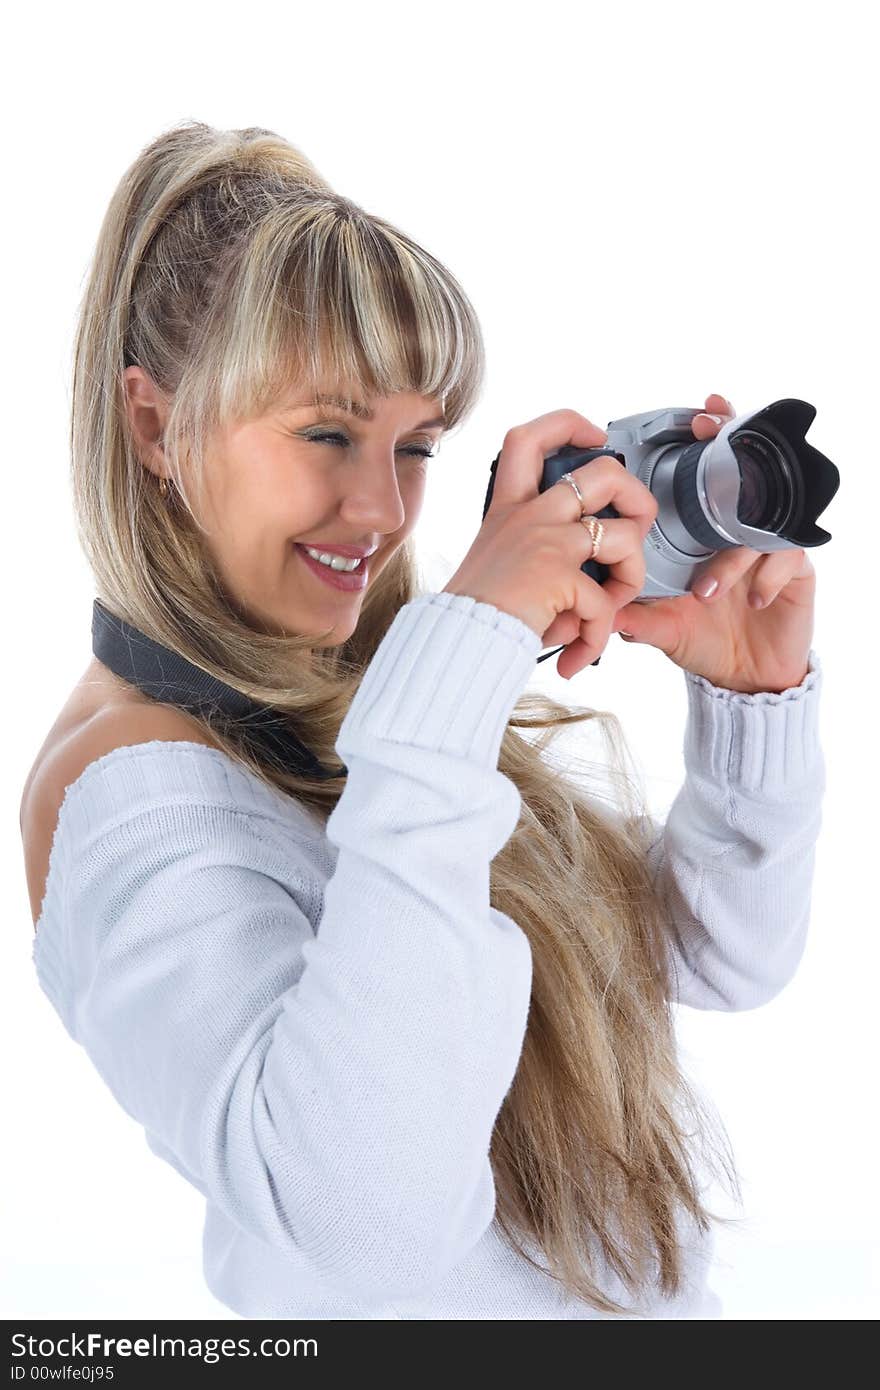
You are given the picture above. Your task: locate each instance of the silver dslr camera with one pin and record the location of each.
(757, 483)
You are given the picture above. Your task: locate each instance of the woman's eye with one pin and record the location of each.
(415, 450)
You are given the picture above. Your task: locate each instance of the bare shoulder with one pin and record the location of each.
(121, 726)
(112, 727)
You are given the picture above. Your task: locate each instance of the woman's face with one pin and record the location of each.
(298, 474)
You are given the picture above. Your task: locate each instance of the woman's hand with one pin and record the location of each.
(723, 636)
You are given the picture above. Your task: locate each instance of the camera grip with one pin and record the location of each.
(565, 460)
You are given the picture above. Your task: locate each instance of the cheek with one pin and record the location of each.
(413, 493)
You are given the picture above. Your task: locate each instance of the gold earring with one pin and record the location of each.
(163, 487)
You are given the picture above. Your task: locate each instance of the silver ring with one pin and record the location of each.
(593, 524)
(567, 478)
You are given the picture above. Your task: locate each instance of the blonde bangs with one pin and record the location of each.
(327, 298)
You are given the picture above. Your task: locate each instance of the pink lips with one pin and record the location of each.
(337, 579)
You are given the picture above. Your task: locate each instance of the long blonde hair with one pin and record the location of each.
(227, 268)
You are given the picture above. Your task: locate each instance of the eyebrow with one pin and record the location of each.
(363, 412)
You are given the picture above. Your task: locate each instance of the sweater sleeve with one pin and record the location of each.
(333, 1090)
(735, 857)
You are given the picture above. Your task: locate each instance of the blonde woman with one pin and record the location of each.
(402, 1010)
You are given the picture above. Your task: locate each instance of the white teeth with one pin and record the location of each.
(335, 562)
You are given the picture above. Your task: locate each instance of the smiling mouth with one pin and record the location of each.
(351, 580)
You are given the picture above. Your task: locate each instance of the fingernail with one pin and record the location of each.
(705, 587)
(626, 635)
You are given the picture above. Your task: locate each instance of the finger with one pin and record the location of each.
(718, 412)
(726, 568)
(625, 580)
(707, 426)
(774, 571)
(597, 605)
(622, 550)
(525, 447)
(563, 629)
(622, 539)
(595, 609)
(576, 656)
(602, 482)
(655, 624)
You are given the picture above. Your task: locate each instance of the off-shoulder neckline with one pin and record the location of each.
(250, 796)
(146, 747)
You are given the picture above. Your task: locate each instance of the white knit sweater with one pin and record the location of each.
(317, 1028)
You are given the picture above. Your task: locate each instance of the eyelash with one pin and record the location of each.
(414, 451)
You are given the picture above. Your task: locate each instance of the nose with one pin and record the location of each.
(371, 499)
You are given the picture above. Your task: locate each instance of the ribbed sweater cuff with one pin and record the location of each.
(445, 677)
(766, 743)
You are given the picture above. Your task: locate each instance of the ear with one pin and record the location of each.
(146, 412)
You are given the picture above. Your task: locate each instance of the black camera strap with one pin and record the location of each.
(167, 676)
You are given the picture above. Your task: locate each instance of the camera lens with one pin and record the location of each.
(766, 495)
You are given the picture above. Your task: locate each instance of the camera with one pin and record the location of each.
(757, 483)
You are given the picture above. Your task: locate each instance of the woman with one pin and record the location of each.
(403, 1013)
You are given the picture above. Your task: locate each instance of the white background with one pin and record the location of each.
(646, 204)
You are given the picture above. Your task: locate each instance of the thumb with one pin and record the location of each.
(626, 624)
(642, 622)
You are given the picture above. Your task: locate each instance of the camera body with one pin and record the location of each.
(757, 483)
